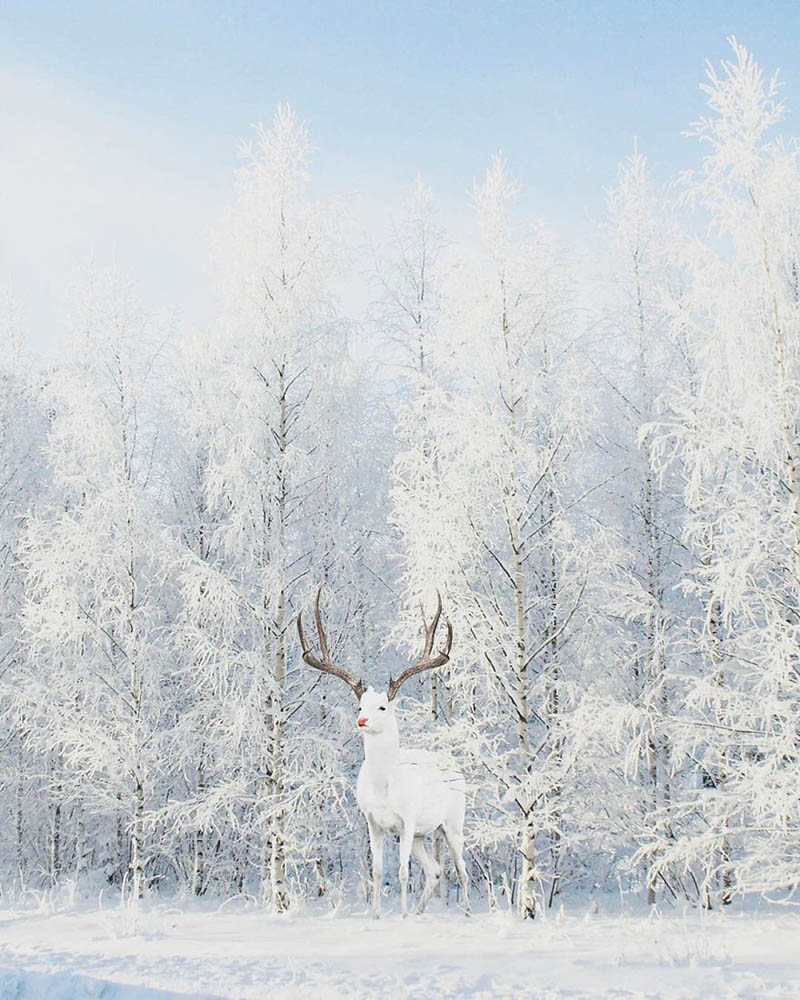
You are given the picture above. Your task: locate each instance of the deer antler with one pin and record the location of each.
(426, 661)
(325, 664)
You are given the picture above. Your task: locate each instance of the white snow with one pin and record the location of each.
(249, 954)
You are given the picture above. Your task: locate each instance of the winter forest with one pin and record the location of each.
(592, 455)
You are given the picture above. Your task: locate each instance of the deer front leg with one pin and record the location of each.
(406, 840)
(376, 850)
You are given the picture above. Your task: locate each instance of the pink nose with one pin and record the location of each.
(362, 721)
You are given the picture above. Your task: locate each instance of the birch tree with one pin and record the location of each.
(737, 437)
(283, 493)
(411, 278)
(96, 562)
(23, 476)
(643, 355)
(505, 426)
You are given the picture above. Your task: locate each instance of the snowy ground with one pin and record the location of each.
(181, 952)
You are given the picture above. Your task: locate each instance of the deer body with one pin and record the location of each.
(401, 791)
(416, 792)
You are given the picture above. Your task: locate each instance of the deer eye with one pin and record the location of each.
(382, 708)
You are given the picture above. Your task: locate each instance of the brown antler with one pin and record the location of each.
(325, 664)
(426, 661)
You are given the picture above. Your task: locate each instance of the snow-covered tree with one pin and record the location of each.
(640, 355)
(22, 477)
(736, 434)
(97, 563)
(506, 425)
(285, 465)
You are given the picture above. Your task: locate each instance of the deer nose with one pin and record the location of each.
(362, 721)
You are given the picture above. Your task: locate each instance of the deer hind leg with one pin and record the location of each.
(455, 841)
(433, 871)
(406, 840)
(376, 850)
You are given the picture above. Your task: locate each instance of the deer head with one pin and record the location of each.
(375, 707)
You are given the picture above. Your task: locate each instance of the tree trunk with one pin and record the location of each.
(527, 878)
(657, 742)
(122, 843)
(277, 839)
(137, 845)
(198, 868)
(55, 841)
(80, 843)
(718, 678)
(554, 678)
(18, 816)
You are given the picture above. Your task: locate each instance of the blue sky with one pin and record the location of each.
(124, 117)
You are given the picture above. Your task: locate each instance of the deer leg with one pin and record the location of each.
(455, 841)
(433, 871)
(376, 850)
(406, 840)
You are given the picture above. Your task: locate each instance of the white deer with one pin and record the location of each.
(401, 791)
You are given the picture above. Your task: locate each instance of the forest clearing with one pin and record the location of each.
(205, 955)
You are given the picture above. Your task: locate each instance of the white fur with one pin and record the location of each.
(406, 792)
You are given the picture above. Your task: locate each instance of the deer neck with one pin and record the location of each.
(381, 751)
